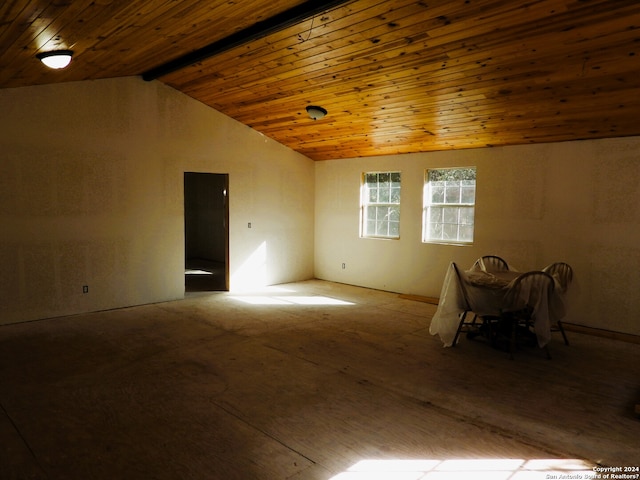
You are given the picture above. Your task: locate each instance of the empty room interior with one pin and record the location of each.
(223, 245)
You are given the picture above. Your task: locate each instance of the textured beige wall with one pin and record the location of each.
(91, 193)
(576, 202)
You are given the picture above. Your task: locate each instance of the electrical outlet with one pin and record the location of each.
(85, 289)
(344, 265)
(249, 225)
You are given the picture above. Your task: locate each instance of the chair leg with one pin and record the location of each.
(463, 315)
(512, 343)
(475, 327)
(564, 335)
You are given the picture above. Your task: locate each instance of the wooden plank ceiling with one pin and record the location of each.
(396, 76)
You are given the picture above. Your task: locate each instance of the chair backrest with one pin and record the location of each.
(492, 263)
(562, 272)
(463, 288)
(529, 290)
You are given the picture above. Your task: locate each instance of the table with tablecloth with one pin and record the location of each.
(488, 294)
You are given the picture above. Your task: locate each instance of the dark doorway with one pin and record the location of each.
(206, 231)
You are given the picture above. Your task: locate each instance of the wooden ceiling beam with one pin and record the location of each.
(258, 30)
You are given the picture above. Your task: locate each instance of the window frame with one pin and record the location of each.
(365, 205)
(428, 204)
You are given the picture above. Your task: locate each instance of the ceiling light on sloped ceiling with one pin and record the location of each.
(316, 112)
(55, 58)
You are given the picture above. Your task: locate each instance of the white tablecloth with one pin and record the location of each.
(487, 295)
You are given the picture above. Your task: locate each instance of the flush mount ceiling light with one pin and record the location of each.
(55, 58)
(316, 112)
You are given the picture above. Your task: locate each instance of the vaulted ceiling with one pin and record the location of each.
(395, 76)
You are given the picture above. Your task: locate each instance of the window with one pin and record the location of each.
(449, 205)
(380, 205)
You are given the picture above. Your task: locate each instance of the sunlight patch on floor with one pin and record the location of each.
(283, 295)
(289, 300)
(478, 469)
(193, 271)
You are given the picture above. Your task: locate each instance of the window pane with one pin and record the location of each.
(435, 231)
(466, 233)
(437, 192)
(435, 214)
(383, 195)
(468, 194)
(452, 192)
(394, 229)
(372, 195)
(394, 214)
(395, 195)
(450, 232)
(450, 215)
(395, 178)
(466, 215)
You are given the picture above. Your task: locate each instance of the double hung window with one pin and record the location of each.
(449, 205)
(380, 205)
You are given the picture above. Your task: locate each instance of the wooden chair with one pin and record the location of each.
(491, 263)
(563, 274)
(474, 326)
(527, 291)
(465, 304)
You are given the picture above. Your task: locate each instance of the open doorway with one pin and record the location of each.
(206, 231)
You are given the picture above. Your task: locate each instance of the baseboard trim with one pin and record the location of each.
(419, 298)
(600, 332)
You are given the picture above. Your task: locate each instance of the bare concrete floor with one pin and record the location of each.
(312, 380)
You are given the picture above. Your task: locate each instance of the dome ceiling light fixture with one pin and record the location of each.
(55, 58)
(316, 112)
